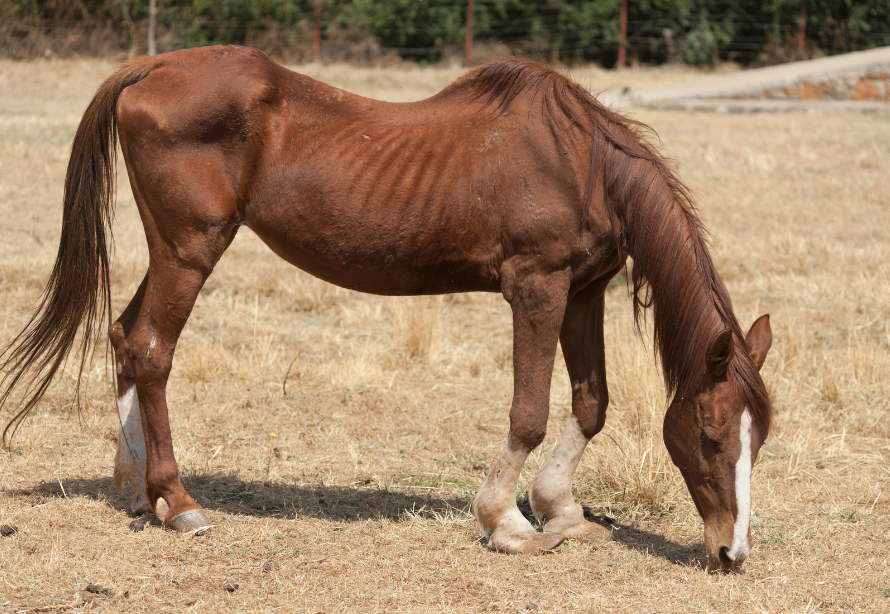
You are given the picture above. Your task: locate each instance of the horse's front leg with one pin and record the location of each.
(551, 492)
(538, 304)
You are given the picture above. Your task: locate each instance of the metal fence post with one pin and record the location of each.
(468, 43)
(622, 32)
(152, 12)
(802, 31)
(316, 38)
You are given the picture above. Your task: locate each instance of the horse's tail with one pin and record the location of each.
(78, 293)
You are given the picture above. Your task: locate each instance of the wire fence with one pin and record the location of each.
(362, 31)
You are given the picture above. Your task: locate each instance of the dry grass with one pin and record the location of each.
(337, 438)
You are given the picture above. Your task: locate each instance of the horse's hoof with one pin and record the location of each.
(193, 521)
(584, 531)
(529, 542)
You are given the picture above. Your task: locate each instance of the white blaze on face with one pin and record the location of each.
(740, 547)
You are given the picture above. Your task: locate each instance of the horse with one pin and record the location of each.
(513, 179)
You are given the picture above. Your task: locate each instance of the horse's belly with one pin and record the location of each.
(382, 258)
(409, 217)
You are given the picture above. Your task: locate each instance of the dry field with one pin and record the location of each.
(337, 439)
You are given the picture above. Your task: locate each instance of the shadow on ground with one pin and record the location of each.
(233, 495)
(654, 543)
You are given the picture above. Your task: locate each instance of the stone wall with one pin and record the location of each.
(874, 85)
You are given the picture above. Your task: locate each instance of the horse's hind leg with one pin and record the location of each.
(551, 492)
(188, 225)
(129, 461)
(148, 350)
(538, 304)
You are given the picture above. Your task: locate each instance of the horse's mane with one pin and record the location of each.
(655, 221)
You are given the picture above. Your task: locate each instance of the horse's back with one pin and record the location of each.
(394, 198)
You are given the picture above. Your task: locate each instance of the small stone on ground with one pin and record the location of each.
(137, 525)
(98, 589)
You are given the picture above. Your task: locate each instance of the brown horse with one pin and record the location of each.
(511, 180)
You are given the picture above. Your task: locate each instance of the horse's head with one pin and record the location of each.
(713, 441)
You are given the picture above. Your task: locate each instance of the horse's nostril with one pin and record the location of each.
(724, 556)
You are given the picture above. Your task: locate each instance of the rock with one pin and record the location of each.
(97, 589)
(137, 525)
(7, 529)
(270, 566)
(531, 605)
(230, 587)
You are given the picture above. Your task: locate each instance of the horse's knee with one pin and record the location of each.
(589, 408)
(528, 427)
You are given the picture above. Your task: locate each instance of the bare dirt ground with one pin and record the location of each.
(337, 439)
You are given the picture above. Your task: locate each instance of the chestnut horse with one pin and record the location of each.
(513, 180)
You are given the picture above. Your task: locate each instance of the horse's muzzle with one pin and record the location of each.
(727, 561)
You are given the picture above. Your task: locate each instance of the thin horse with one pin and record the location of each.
(512, 180)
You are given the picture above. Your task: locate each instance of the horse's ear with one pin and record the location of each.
(759, 340)
(720, 353)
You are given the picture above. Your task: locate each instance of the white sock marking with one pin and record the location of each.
(129, 462)
(551, 491)
(740, 547)
(495, 503)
